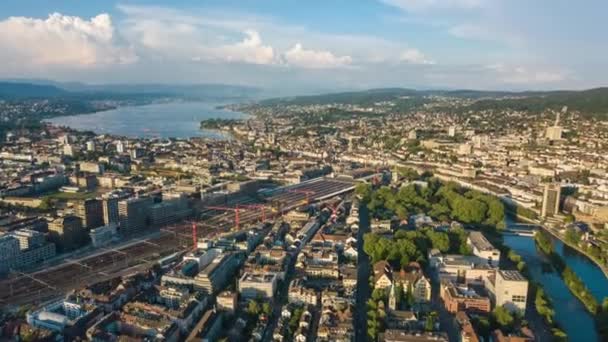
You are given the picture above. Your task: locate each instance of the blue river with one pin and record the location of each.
(569, 311)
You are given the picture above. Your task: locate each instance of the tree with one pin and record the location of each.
(439, 240)
(429, 324)
(266, 308)
(503, 318)
(363, 191)
(572, 236)
(253, 308)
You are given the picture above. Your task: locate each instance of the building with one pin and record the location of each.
(90, 212)
(133, 214)
(29, 238)
(120, 147)
(9, 250)
(452, 131)
(300, 294)
(217, 274)
(173, 208)
(551, 199)
(227, 301)
(412, 135)
(57, 316)
(397, 335)
(463, 298)
(483, 248)
(68, 232)
(256, 285)
(91, 146)
(554, 132)
(509, 289)
(104, 235)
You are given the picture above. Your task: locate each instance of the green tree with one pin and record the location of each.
(503, 318)
(429, 324)
(253, 308)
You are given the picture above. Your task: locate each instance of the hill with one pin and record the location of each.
(592, 102)
(28, 90)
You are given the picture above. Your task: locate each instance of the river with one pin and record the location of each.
(569, 311)
(162, 120)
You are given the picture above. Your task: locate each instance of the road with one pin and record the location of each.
(363, 273)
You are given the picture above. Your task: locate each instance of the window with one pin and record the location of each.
(519, 299)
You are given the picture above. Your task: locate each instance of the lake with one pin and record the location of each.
(163, 120)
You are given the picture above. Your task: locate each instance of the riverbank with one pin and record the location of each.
(556, 235)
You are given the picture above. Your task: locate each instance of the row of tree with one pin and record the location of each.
(406, 246)
(441, 201)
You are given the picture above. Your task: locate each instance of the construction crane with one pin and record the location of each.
(236, 213)
(194, 237)
(307, 193)
(255, 206)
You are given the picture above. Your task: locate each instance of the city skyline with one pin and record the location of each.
(478, 44)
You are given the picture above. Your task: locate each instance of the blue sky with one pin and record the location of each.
(309, 45)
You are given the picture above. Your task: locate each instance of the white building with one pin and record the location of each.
(509, 289)
(483, 248)
(254, 285)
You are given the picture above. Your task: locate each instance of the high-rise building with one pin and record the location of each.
(68, 232)
(91, 146)
(554, 132)
(9, 250)
(90, 212)
(174, 207)
(120, 147)
(133, 214)
(29, 239)
(110, 210)
(412, 135)
(452, 131)
(551, 199)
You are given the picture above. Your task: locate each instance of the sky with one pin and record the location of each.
(308, 45)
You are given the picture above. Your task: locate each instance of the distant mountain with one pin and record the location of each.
(28, 90)
(202, 91)
(592, 102)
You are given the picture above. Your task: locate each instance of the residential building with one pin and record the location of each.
(551, 199)
(463, 298)
(258, 285)
(90, 212)
(133, 214)
(67, 231)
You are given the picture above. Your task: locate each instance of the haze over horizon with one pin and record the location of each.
(316, 45)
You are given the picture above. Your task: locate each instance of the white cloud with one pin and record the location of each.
(313, 59)
(250, 50)
(526, 75)
(414, 56)
(61, 40)
(423, 5)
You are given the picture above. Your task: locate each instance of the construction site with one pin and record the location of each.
(234, 215)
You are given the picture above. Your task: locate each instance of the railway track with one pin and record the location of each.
(21, 289)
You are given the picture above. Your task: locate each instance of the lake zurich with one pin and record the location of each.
(166, 120)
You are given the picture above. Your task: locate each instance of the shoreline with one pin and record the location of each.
(73, 123)
(578, 249)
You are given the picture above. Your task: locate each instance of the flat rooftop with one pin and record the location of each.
(480, 242)
(511, 275)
